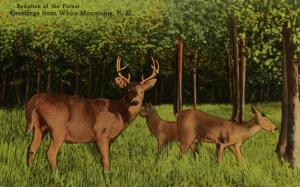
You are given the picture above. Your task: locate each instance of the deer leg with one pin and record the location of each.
(58, 138)
(233, 149)
(185, 143)
(103, 146)
(35, 144)
(219, 152)
(238, 150)
(194, 148)
(161, 143)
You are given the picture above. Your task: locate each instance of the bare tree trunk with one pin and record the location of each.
(236, 71)
(102, 80)
(293, 129)
(174, 83)
(230, 77)
(90, 80)
(61, 85)
(195, 79)
(155, 94)
(95, 85)
(38, 74)
(75, 79)
(161, 91)
(242, 81)
(180, 66)
(16, 87)
(4, 81)
(48, 85)
(26, 82)
(281, 145)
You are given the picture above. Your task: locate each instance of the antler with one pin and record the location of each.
(119, 69)
(155, 70)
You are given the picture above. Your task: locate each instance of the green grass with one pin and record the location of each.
(134, 161)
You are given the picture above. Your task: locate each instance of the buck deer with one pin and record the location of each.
(163, 130)
(196, 125)
(75, 119)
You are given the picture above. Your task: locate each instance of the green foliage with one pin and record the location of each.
(151, 30)
(134, 160)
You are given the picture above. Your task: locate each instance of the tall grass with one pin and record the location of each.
(134, 160)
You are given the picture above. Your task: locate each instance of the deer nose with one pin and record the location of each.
(134, 102)
(275, 129)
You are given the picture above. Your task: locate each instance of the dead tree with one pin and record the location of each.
(179, 44)
(236, 72)
(281, 145)
(195, 79)
(289, 141)
(242, 81)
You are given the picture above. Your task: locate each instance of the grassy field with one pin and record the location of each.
(134, 161)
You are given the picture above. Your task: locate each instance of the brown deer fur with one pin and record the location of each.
(76, 120)
(163, 130)
(196, 125)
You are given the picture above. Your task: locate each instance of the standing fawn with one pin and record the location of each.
(77, 120)
(196, 125)
(163, 130)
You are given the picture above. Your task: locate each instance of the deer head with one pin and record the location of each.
(134, 91)
(263, 121)
(148, 110)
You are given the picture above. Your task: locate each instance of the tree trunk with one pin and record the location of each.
(95, 85)
(195, 79)
(155, 94)
(174, 83)
(61, 85)
(161, 91)
(293, 129)
(26, 82)
(48, 85)
(180, 66)
(75, 79)
(90, 80)
(102, 80)
(16, 87)
(38, 74)
(230, 77)
(236, 80)
(4, 81)
(281, 145)
(242, 81)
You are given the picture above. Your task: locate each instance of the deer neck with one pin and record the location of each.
(252, 127)
(129, 111)
(152, 123)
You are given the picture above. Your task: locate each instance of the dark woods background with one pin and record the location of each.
(75, 55)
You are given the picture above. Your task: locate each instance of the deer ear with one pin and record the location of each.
(121, 83)
(149, 84)
(254, 110)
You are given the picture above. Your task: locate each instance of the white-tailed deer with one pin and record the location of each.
(164, 131)
(196, 125)
(77, 120)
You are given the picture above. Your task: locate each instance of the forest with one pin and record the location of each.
(76, 54)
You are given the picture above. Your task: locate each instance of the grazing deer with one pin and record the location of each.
(163, 130)
(196, 125)
(77, 120)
